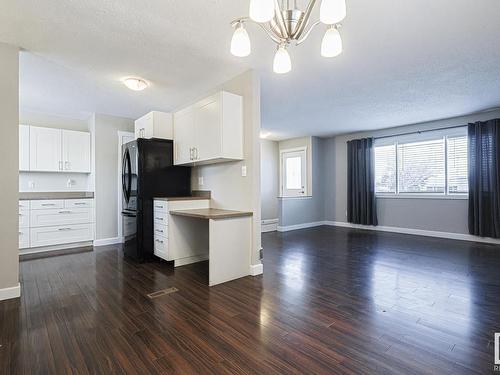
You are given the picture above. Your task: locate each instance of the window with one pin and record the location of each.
(293, 170)
(430, 163)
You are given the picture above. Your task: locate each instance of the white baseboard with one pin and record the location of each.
(270, 225)
(9, 293)
(190, 260)
(416, 232)
(44, 249)
(300, 226)
(256, 269)
(108, 241)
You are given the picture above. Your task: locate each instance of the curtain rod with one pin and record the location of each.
(420, 131)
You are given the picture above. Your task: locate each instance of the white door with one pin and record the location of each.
(45, 149)
(184, 137)
(76, 151)
(24, 148)
(293, 167)
(208, 130)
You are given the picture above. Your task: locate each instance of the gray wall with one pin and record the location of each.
(269, 179)
(310, 209)
(442, 215)
(105, 142)
(9, 161)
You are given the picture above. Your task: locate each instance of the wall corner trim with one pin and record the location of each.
(108, 241)
(9, 293)
(256, 269)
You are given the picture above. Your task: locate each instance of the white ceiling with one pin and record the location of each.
(404, 61)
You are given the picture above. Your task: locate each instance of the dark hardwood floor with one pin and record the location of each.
(332, 300)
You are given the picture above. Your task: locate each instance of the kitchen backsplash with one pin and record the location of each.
(45, 182)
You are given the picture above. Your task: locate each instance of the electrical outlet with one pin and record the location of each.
(31, 184)
(244, 171)
(200, 181)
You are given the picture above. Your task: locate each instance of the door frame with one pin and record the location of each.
(123, 137)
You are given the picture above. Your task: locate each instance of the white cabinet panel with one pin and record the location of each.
(208, 130)
(160, 230)
(24, 218)
(61, 217)
(184, 136)
(45, 149)
(160, 206)
(24, 205)
(57, 235)
(160, 217)
(78, 203)
(154, 125)
(47, 204)
(24, 238)
(76, 151)
(161, 247)
(24, 148)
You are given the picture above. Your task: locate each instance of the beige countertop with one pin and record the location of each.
(24, 196)
(211, 213)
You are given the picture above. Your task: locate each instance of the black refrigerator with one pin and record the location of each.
(148, 171)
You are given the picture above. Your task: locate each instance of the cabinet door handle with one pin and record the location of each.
(65, 212)
(48, 204)
(80, 204)
(60, 165)
(159, 218)
(64, 229)
(158, 206)
(159, 230)
(196, 153)
(159, 241)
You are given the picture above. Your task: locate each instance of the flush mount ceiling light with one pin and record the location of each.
(136, 84)
(285, 23)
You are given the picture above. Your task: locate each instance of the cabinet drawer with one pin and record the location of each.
(78, 203)
(160, 217)
(24, 218)
(58, 235)
(160, 206)
(45, 204)
(24, 205)
(160, 230)
(161, 247)
(41, 218)
(24, 238)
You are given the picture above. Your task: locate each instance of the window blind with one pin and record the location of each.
(385, 169)
(457, 165)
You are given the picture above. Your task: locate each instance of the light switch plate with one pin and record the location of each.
(200, 181)
(244, 171)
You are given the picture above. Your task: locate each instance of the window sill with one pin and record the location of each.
(418, 196)
(300, 197)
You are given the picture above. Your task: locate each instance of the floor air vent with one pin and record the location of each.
(163, 292)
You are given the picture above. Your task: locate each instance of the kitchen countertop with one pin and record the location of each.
(211, 213)
(24, 196)
(191, 198)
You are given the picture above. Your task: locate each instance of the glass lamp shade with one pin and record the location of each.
(240, 43)
(261, 10)
(331, 46)
(332, 11)
(282, 62)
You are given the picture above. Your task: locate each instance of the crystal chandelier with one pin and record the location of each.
(285, 24)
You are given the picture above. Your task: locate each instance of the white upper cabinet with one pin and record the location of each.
(154, 125)
(45, 149)
(184, 134)
(76, 151)
(54, 150)
(210, 131)
(24, 148)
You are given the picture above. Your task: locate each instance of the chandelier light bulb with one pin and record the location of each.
(240, 43)
(332, 11)
(331, 45)
(282, 62)
(261, 10)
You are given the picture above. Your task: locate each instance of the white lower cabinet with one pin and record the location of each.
(55, 222)
(58, 235)
(161, 247)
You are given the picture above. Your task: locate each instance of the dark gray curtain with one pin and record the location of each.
(361, 203)
(484, 178)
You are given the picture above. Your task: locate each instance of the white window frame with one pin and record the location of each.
(300, 193)
(419, 137)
